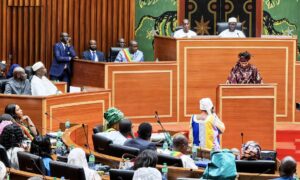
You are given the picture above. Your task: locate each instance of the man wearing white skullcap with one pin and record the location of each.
(232, 32)
(40, 84)
(206, 127)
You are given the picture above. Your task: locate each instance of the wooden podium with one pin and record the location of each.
(249, 110)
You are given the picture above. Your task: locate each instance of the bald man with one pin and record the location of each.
(185, 32)
(131, 54)
(19, 84)
(92, 54)
(287, 168)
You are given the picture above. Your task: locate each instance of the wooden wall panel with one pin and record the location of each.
(30, 28)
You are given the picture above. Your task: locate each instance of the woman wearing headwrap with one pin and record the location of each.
(77, 157)
(206, 127)
(113, 117)
(244, 72)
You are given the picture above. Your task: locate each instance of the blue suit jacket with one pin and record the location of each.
(61, 58)
(88, 56)
(140, 144)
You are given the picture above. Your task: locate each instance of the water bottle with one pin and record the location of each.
(59, 150)
(194, 152)
(164, 171)
(92, 161)
(165, 146)
(62, 178)
(59, 134)
(67, 124)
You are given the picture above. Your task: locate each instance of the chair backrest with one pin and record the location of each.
(101, 143)
(29, 72)
(170, 160)
(221, 26)
(31, 163)
(268, 155)
(3, 156)
(119, 150)
(2, 85)
(256, 166)
(114, 52)
(120, 174)
(98, 128)
(59, 169)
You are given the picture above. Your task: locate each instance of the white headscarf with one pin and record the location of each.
(146, 173)
(2, 170)
(206, 105)
(77, 157)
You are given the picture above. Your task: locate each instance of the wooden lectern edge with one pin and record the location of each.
(255, 85)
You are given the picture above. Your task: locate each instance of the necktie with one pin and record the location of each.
(94, 55)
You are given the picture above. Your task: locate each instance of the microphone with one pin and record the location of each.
(242, 136)
(55, 119)
(37, 167)
(167, 134)
(86, 138)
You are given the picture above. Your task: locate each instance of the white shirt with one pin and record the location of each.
(234, 34)
(188, 162)
(181, 34)
(115, 136)
(42, 87)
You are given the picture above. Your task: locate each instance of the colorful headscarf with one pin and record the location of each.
(251, 151)
(206, 105)
(113, 116)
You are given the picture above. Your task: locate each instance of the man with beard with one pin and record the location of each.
(232, 32)
(244, 72)
(92, 54)
(19, 84)
(63, 53)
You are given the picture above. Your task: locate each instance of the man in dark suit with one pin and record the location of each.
(142, 142)
(92, 54)
(63, 53)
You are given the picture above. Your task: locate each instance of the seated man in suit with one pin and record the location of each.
(232, 32)
(19, 84)
(142, 142)
(92, 54)
(131, 54)
(40, 84)
(63, 54)
(185, 32)
(244, 72)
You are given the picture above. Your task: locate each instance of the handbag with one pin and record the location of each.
(222, 166)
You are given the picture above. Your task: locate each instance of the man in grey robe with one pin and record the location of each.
(18, 84)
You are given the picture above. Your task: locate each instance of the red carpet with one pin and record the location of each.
(288, 140)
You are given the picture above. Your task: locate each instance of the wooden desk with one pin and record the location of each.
(48, 112)
(205, 63)
(248, 109)
(61, 86)
(138, 89)
(23, 175)
(297, 112)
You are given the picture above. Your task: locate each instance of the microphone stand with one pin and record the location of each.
(166, 133)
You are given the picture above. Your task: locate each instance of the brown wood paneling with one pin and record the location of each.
(297, 98)
(30, 28)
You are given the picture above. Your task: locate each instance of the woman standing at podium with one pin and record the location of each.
(206, 127)
(244, 72)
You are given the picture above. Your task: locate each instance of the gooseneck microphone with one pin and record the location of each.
(166, 133)
(86, 138)
(242, 137)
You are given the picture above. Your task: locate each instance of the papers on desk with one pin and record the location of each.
(74, 89)
(155, 137)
